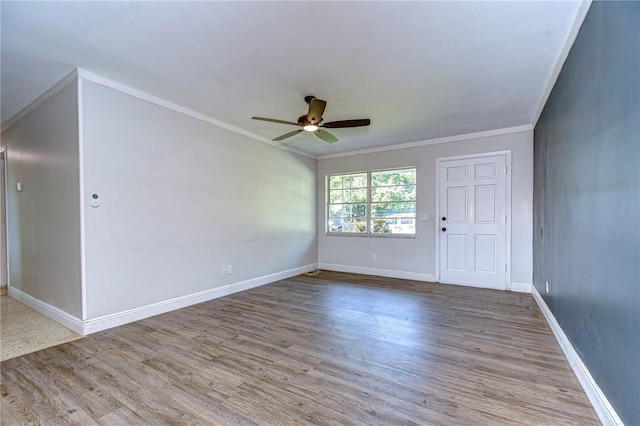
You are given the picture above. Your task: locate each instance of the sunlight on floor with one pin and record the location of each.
(23, 330)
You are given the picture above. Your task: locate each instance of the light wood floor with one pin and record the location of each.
(333, 349)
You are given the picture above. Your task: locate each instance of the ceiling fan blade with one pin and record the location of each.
(288, 135)
(347, 123)
(316, 109)
(273, 120)
(326, 136)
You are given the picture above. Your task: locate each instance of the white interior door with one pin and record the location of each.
(473, 222)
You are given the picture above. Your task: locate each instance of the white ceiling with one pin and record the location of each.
(418, 70)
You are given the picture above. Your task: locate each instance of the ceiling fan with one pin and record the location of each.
(312, 122)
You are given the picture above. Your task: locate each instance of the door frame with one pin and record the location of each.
(507, 200)
(5, 205)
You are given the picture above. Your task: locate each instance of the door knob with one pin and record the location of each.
(444, 229)
(444, 218)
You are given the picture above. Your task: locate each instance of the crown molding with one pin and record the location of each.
(447, 139)
(123, 88)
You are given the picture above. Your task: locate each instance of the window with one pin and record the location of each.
(348, 203)
(376, 203)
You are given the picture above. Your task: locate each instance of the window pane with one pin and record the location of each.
(393, 193)
(347, 210)
(336, 196)
(395, 224)
(347, 218)
(348, 196)
(359, 181)
(355, 225)
(386, 209)
(358, 195)
(358, 211)
(380, 226)
(336, 225)
(348, 181)
(393, 218)
(394, 177)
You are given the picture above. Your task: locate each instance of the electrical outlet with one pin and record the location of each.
(374, 257)
(229, 269)
(546, 286)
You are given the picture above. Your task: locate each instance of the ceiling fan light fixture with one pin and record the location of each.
(313, 121)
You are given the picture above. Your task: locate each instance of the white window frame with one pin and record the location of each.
(369, 232)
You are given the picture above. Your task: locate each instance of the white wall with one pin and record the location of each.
(43, 219)
(416, 257)
(181, 199)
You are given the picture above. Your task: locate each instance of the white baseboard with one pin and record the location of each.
(603, 408)
(56, 314)
(391, 273)
(521, 287)
(119, 318)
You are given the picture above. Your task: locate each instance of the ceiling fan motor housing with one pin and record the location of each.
(303, 120)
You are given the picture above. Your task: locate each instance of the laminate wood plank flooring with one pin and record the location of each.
(332, 349)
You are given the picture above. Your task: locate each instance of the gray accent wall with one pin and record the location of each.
(587, 201)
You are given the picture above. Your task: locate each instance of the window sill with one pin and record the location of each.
(356, 235)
